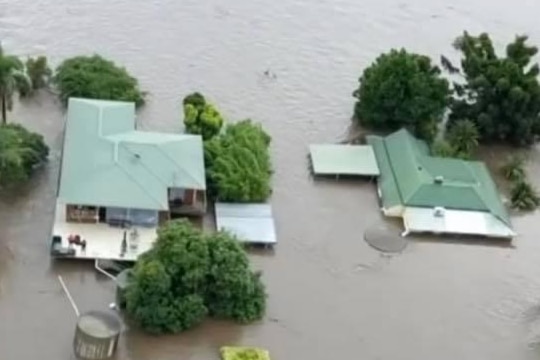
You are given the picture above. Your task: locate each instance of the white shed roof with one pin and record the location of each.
(334, 159)
(251, 223)
(455, 222)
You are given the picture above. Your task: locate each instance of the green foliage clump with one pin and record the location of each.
(38, 71)
(402, 89)
(463, 137)
(238, 163)
(20, 152)
(13, 79)
(501, 95)
(243, 353)
(442, 148)
(94, 77)
(524, 196)
(514, 168)
(188, 275)
(200, 117)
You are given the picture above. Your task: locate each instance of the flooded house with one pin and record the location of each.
(118, 184)
(434, 194)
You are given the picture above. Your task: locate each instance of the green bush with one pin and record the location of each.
(13, 79)
(238, 163)
(463, 136)
(94, 77)
(402, 89)
(524, 196)
(442, 148)
(201, 117)
(514, 168)
(188, 275)
(20, 152)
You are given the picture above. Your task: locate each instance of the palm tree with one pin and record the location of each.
(463, 136)
(12, 79)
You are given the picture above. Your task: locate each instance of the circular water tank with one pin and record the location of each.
(96, 335)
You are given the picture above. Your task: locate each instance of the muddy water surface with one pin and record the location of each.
(331, 296)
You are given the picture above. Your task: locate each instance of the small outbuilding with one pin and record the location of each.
(251, 223)
(343, 159)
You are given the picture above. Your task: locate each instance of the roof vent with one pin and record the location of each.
(438, 212)
(439, 179)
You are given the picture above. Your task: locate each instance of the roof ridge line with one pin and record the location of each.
(146, 167)
(172, 160)
(139, 184)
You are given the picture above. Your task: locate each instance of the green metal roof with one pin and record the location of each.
(106, 162)
(343, 160)
(408, 175)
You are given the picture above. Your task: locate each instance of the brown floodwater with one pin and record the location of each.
(331, 296)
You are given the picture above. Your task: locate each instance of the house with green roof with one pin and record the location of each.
(114, 176)
(437, 195)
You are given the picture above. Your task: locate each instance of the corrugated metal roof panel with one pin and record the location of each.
(418, 220)
(251, 223)
(334, 159)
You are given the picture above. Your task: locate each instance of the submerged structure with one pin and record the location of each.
(437, 195)
(118, 184)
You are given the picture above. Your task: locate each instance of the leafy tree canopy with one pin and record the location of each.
(238, 163)
(94, 77)
(188, 275)
(402, 89)
(501, 95)
(201, 117)
(20, 152)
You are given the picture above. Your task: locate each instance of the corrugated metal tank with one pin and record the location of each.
(96, 335)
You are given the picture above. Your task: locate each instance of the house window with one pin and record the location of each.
(126, 217)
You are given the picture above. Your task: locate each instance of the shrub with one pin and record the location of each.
(442, 148)
(514, 168)
(20, 152)
(524, 196)
(402, 89)
(238, 163)
(188, 275)
(463, 136)
(201, 117)
(94, 77)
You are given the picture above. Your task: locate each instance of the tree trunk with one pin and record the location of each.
(4, 110)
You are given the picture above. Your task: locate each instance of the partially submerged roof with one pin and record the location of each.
(251, 223)
(335, 159)
(410, 177)
(106, 162)
(480, 223)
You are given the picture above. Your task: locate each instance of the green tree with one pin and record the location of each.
(524, 196)
(94, 77)
(238, 163)
(13, 79)
(402, 89)
(38, 71)
(188, 275)
(201, 117)
(20, 152)
(463, 137)
(501, 95)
